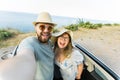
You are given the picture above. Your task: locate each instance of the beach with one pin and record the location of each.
(103, 43)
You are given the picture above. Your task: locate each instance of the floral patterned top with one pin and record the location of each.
(68, 67)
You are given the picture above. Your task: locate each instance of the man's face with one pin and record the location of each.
(43, 32)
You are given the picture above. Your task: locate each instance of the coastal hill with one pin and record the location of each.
(102, 42)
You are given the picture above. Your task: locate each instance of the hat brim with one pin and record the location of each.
(60, 33)
(57, 34)
(34, 23)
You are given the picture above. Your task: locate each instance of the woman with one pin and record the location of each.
(67, 57)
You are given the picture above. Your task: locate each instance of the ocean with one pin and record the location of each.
(23, 21)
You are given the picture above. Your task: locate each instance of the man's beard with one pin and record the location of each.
(41, 39)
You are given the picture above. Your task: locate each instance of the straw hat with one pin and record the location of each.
(61, 31)
(44, 17)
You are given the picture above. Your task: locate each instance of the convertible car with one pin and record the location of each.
(94, 69)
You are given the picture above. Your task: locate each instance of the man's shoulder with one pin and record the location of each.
(27, 42)
(29, 38)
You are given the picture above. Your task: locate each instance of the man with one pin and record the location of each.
(34, 59)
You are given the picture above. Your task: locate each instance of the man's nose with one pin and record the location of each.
(46, 29)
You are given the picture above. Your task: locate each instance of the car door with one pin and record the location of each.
(94, 68)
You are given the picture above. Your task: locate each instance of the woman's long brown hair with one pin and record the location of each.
(67, 50)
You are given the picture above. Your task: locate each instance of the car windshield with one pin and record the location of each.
(104, 43)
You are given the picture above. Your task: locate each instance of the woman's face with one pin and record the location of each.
(63, 40)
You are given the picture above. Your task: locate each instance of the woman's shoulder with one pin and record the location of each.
(77, 56)
(76, 53)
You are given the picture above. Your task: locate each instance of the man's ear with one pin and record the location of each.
(35, 26)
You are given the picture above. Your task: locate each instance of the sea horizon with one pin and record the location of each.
(23, 21)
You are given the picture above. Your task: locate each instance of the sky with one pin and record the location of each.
(90, 9)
